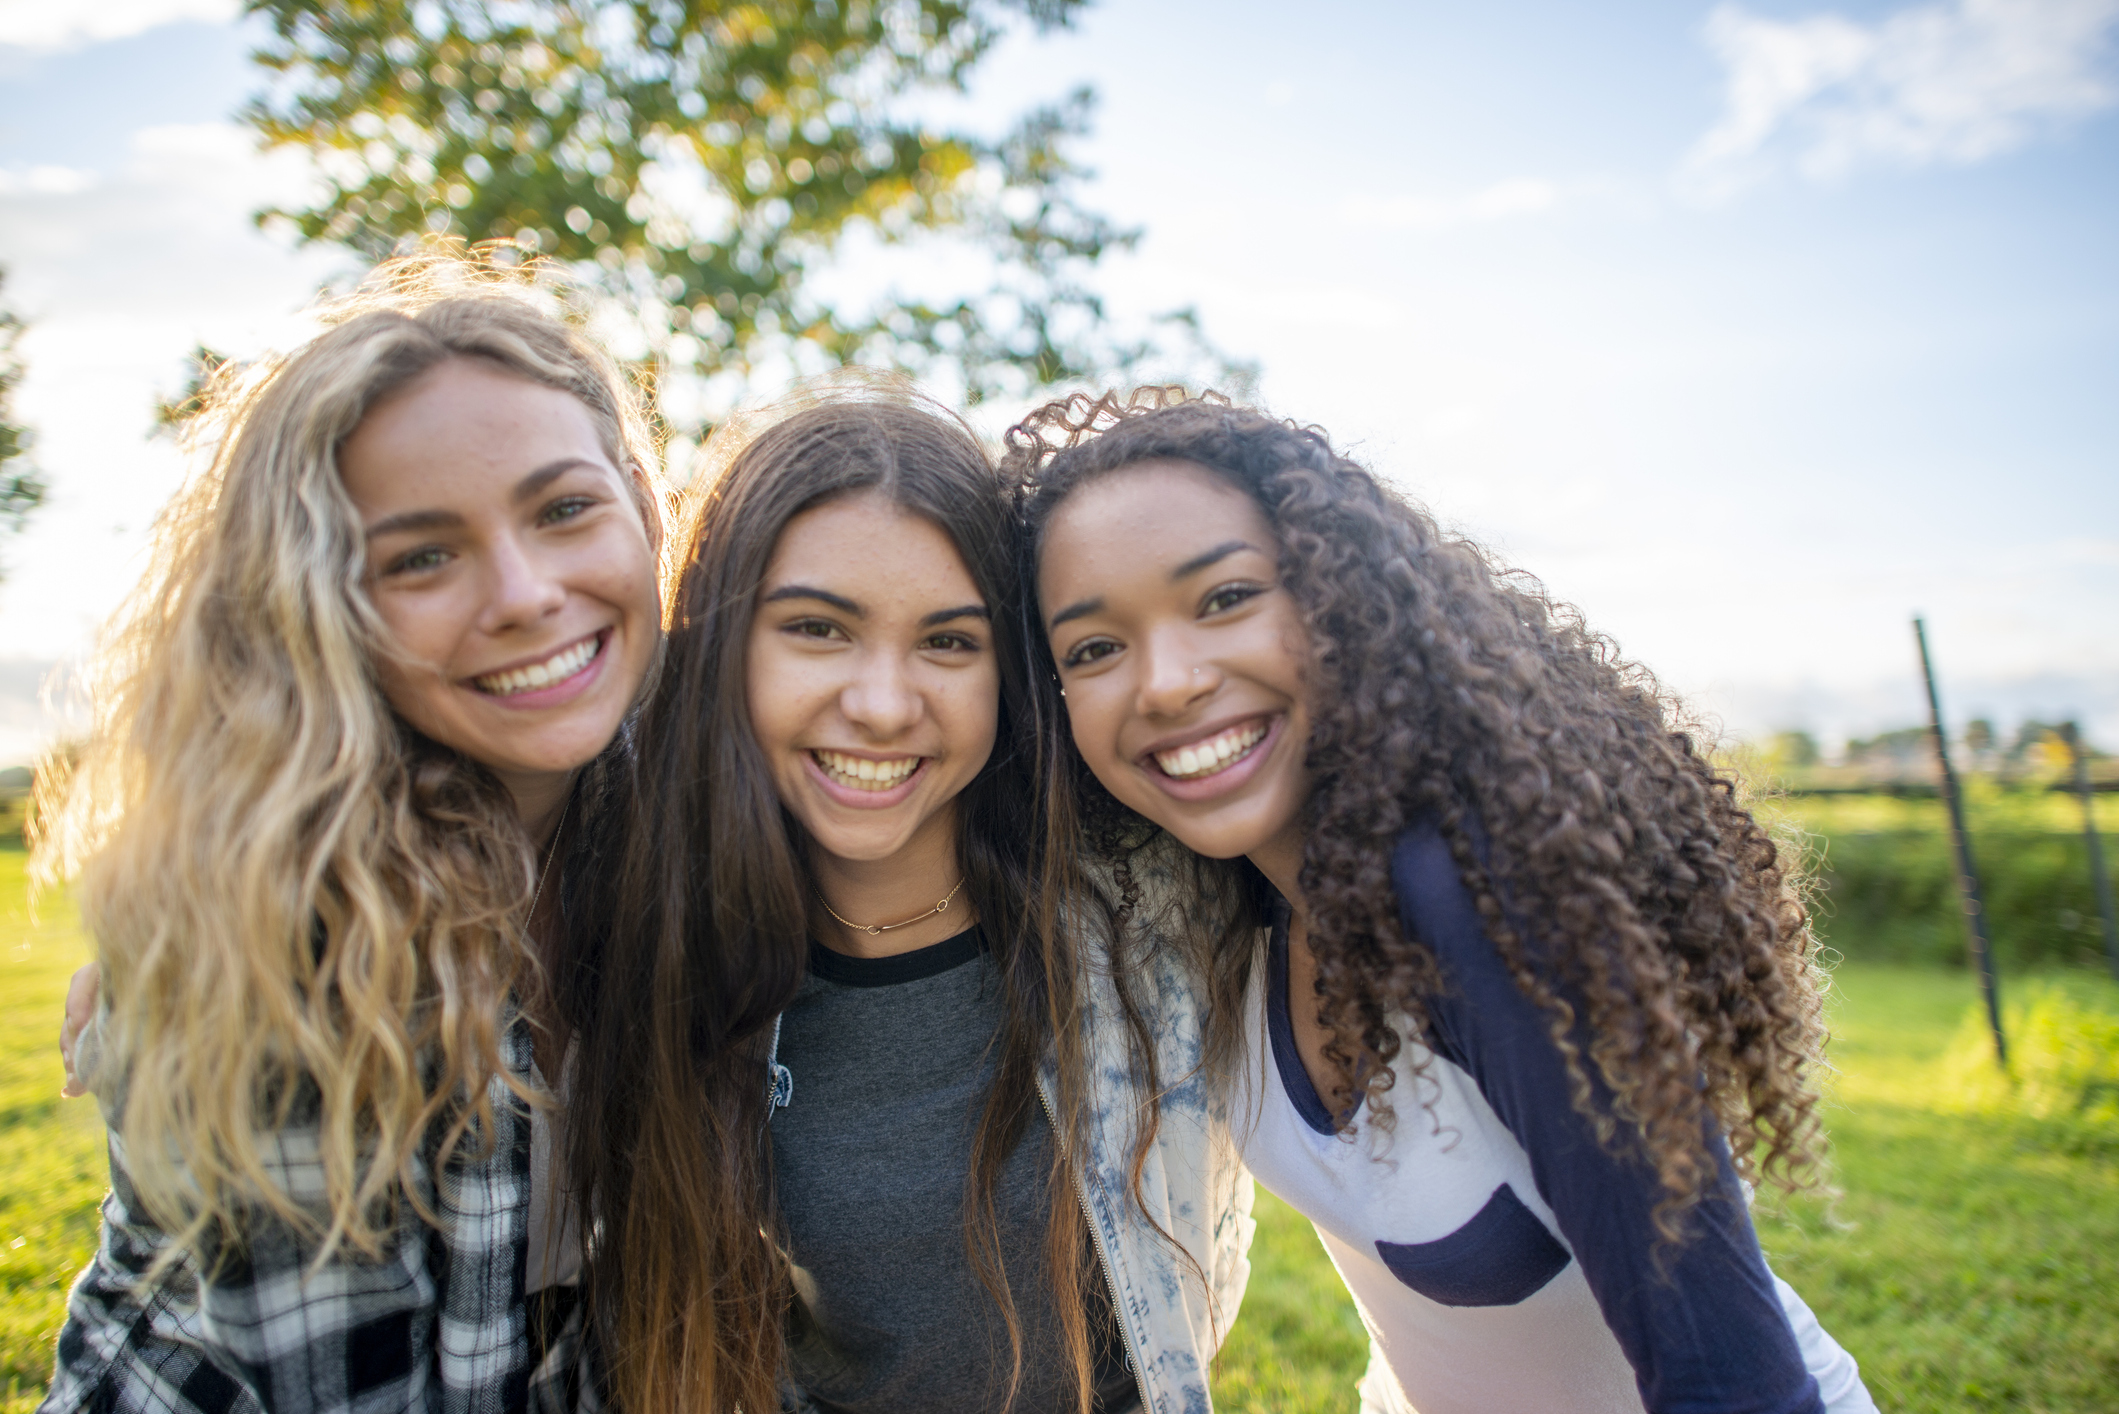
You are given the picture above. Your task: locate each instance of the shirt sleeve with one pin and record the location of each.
(1704, 1330)
(128, 1346)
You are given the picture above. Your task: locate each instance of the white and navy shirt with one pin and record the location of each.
(1503, 1259)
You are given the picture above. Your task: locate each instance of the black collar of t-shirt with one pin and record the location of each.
(893, 971)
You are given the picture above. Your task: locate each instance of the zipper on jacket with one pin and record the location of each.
(1103, 1258)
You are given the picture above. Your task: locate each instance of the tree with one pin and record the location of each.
(700, 159)
(22, 487)
(172, 416)
(1792, 749)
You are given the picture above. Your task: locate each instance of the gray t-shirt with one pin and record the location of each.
(891, 1066)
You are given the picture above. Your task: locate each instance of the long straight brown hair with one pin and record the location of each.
(694, 928)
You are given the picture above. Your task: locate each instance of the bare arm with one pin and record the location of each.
(81, 996)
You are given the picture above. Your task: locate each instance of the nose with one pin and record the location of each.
(882, 700)
(1174, 675)
(522, 589)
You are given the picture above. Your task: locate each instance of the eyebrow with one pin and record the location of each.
(808, 591)
(961, 611)
(525, 489)
(1218, 553)
(1080, 610)
(1192, 566)
(544, 476)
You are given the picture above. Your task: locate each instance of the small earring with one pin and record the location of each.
(1063, 692)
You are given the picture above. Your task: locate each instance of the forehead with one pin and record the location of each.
(1145, 518)
(461, 420)
(866, 547)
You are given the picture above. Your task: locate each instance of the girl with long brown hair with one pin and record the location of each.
(1522, 994)
(385, 641)
(816, 983)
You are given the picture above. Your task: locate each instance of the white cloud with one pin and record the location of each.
(45, 181)
(1950, 83)
(1521, 197)
(71, 24)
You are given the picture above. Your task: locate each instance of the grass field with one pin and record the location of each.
(1970, 1262)
(51, 1151)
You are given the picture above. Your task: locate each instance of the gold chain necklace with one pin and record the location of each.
(546, 868)
(873, 928)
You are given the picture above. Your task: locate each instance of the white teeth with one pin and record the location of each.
(864, 773)
(1204, 758)
(557, 668)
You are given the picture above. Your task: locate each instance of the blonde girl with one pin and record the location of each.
(341, 726)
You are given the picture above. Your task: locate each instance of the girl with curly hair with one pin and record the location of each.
(385, 643)
(1517, 996)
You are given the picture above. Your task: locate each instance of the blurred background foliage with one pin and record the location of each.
(1887, 885)
(699, 163)
(21, 486)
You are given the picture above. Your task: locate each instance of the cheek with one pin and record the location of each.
(1287, 655)
(420, 633)
(975, 716)
(764, 695)
(1090, 724)
(403, 688)
(622, 570)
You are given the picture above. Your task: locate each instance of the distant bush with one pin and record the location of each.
(2063, 1062)
(1887, 884)
(1894, 898)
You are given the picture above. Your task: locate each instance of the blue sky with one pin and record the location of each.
(1751, 329)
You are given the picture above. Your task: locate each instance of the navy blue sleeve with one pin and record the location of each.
(1706, 1332)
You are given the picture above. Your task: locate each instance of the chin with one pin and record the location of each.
(860, 848)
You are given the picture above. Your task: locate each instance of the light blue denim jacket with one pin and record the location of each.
(1193, 1185)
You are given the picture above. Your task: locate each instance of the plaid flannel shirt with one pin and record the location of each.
(439, 1323)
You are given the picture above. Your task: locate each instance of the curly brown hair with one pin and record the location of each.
(1630, 892)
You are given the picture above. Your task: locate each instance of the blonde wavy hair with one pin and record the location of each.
(305, 911)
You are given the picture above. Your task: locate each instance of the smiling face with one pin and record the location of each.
(872, 683)
(511, 564)
(1182, 658)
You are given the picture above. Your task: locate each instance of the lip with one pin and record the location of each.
(1221, 782)
(558, 693)
(865, 799)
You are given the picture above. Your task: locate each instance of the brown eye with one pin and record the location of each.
(1229, 596)
(1089, 651)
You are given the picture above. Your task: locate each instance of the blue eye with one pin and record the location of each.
(566, 509)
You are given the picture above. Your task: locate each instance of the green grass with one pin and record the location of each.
(52, 1170)
(1968, 1263)
(1972, 1259)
